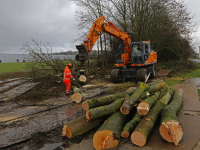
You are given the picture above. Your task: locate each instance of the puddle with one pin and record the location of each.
(195, 81)
(50, 146)
(93, 92)
(45, 147)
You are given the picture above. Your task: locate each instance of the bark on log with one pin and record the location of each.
(130, 126)
(145, 95)
(144, 107)
(82, 79)
(96, 102)
(108, 135)
(163, 91)
(104, 110)
(156, 86)
(80, 126)
(170, 128)
(77, 97)
(142, 131)
(76, 90)
(153, 87)
(130, 101)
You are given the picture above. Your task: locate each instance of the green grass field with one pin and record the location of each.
(12, 67)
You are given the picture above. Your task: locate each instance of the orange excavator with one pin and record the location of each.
(137, 61)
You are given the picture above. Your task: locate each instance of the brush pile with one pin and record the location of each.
(130, 114)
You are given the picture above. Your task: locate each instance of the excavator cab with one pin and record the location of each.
(140, 52)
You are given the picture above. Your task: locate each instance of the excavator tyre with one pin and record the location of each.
(116, 76)
(141, 74)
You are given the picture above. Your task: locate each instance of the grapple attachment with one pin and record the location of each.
(83, 54)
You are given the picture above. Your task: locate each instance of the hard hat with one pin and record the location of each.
(70, 65)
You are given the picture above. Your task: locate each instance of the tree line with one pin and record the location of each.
(167, 23)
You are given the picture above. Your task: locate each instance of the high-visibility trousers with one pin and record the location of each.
(68, 86)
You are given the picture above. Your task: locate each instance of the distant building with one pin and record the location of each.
(6, 58)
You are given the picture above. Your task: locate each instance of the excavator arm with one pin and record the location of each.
(98, 27)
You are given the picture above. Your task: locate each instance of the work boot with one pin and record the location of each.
(71, 92)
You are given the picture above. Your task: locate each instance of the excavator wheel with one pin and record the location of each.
(141, 75)
(153, 74)
(116, 76)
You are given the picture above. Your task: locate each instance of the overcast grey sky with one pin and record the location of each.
(50, 21)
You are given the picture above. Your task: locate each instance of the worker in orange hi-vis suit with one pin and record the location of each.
(67, 77)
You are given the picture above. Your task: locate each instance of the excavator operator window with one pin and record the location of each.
(137, 53)
(146, 48)
(137, 50)
(147, 51)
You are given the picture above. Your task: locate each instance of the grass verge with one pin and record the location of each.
(12, 67)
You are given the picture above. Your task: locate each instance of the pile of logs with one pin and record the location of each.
(130, 114)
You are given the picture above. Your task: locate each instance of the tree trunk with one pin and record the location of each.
(130, 126)
(144, 107)
(108, 135)
(96, 102)
(170, 129)
(144, 95)
(142, 131)
(130, 101)
(153, 87)
(80, 126)
(156, 86)
(104, 110)
(77, 97)
(82, 79)
(163, 92)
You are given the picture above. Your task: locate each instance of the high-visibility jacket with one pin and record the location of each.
(67, 75)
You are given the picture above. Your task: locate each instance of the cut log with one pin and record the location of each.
(96, 102)
(129, 102)
(130, 126)
(108, 135)
(77, 97)
(144, 128)
(156, 86)
(153, 87)
(76, 90)
(104, 110)
(170, 128)
(144, 107)
(163, 91)
(79, 126)
(145, 95)
(82, 79)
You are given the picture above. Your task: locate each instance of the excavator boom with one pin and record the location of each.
(98, 27)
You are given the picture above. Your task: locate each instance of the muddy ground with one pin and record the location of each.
(34, 119)
(34, 109)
